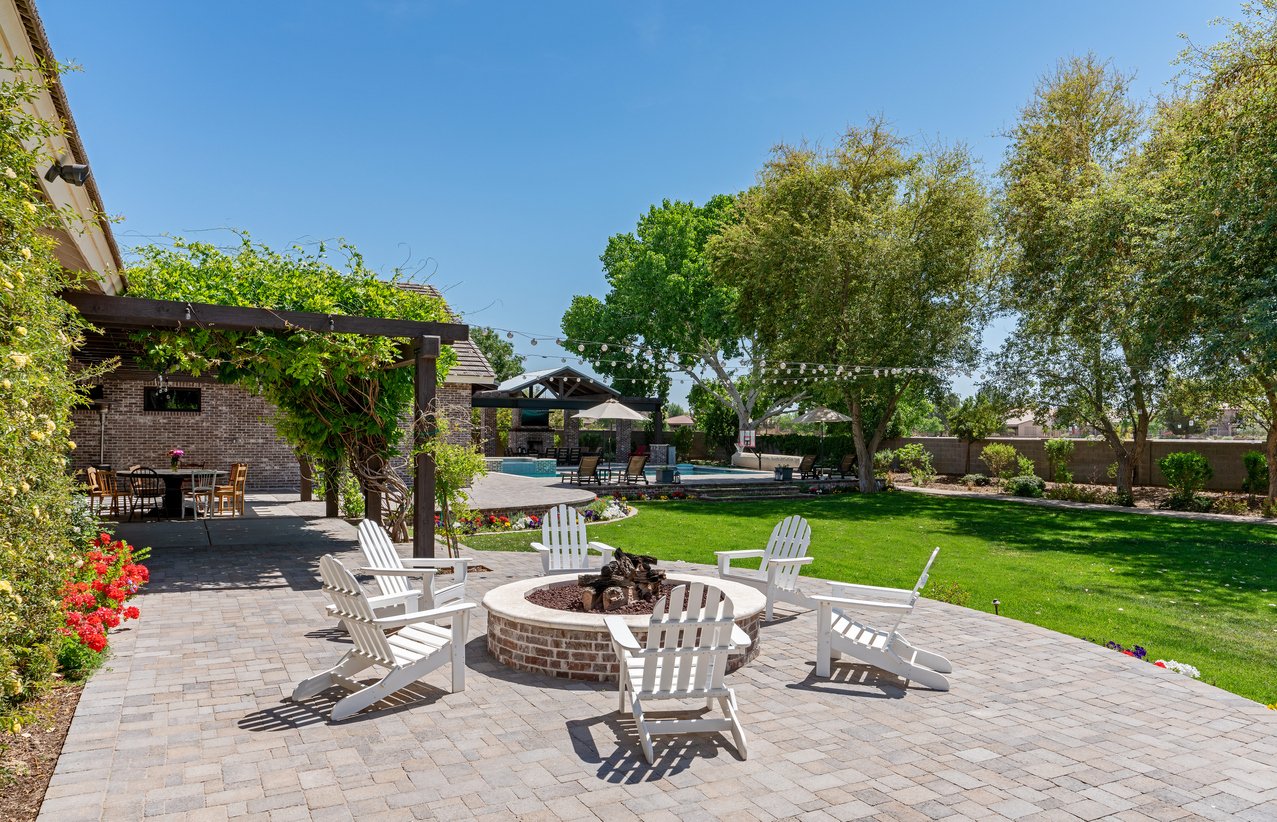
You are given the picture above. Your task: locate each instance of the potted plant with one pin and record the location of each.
(175, 457)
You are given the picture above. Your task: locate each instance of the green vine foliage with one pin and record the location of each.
(337, 398)
(38, 331)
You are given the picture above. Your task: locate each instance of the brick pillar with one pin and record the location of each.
(623, 429)
(489, 432)
(571, 431)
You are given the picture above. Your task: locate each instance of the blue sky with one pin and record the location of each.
(496, 147)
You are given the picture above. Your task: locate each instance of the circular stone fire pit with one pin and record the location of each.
(572, 645)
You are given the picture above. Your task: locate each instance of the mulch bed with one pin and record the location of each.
(28, 757)
(568, 598)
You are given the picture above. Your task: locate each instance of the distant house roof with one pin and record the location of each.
(1016, 422)
(472, 366)
(563, 383)
(680, 419)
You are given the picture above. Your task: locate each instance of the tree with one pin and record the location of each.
(499, 352)
(1221, 237)
(866, 271)
(715, 418)
(975, 418)
(338, 399)
(666, 311)
(1081, 206)
(456, 469)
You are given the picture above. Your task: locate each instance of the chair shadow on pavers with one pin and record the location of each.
(843, 674)
(290, 715)
(624, 762)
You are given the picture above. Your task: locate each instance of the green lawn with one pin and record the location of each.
(1204, 593)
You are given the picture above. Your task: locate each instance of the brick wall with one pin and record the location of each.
(1091, 458)
(233, 425)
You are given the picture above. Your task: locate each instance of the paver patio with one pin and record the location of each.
(190, 719)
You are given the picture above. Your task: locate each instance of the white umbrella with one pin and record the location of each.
(611, 410)
(822, 415)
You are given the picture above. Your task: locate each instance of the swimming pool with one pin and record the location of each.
(537, 467)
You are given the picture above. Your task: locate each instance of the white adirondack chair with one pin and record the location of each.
(777, 575)
(564, 548)
(883, 647)
(395, 575)
(684, 657)
(415, 650)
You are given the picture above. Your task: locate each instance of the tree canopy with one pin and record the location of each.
(500, 352)
(667, 311)
(868, 261)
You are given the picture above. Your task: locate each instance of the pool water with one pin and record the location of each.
(536, 467)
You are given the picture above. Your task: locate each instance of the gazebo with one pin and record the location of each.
(533, 395)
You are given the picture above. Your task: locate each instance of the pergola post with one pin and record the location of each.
(423, 473)
(307, 474)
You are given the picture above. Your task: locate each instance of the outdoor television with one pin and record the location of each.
(534, 419)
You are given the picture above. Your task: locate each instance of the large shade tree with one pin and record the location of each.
(665, 312)
(1080, 208)
(1223, 234)
(865, 267)
(338, 399)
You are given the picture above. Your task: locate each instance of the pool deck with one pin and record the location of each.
(190, 720)
(505, 492)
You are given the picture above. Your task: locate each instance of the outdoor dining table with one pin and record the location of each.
(173, 479)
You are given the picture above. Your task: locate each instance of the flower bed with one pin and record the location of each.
(600, 510)
(94, 599)
(1138, 652)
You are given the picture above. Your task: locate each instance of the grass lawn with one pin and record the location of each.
(1204, 593)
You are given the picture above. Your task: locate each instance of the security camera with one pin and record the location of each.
(74, 173)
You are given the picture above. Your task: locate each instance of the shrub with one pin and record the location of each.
(1025, 485)
(1080, 493)
(1058, 453)
(972, 480)
(950, 592)
(1001, 459)
(882, 462)
(37, 392)
(76, 660)
(1229, 504)
(916, 460)
(352, 496)
(1024, 466)
(1256, 481)
(1186, 472)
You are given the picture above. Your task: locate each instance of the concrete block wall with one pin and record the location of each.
(1091, 458)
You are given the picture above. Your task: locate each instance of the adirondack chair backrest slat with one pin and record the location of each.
(688, 640)
(354, 610)
(790, 540)
(889, 625)
(563, 532)
(380, 553)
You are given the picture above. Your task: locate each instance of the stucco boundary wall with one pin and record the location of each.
(1091, 458)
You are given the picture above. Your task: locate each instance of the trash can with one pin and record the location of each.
(665, 474)
(784, 473)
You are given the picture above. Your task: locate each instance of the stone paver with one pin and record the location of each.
(189, 720)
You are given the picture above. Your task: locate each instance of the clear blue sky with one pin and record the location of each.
(500, 145)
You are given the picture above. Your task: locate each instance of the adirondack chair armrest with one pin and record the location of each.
(877, 605)
(853, 590)
(792, 561)
(536, 546)
(436, 563)
(740, 639)
(602, 547)
(432, 615)
(415, 573)
(621, 633)
(725, 558)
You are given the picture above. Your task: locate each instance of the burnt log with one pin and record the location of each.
(626, 578)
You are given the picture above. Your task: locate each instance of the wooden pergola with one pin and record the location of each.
(421, 344)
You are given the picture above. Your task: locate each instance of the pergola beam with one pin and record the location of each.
(135, 312)
(548, 403)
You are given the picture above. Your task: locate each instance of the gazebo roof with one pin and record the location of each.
(561, 383)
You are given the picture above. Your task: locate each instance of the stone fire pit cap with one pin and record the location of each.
(510, 601)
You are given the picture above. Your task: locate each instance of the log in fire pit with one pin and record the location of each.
(628, 577)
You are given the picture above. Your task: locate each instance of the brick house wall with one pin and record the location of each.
(233, 425)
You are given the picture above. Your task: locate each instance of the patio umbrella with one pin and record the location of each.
(611, 410)
(823, 416)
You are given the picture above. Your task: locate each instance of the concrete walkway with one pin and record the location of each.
(189, 720)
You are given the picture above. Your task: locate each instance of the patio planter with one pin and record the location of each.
(784, 473)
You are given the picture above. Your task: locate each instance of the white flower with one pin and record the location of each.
(1180, 668)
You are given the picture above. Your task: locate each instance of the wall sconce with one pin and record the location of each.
(74, 173)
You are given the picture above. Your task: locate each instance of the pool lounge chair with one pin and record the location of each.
(587, 470)
(807, 468)
(634, 470)
(845, 468)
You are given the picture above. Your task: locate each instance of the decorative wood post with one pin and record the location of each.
(423, 474)
(307, 487)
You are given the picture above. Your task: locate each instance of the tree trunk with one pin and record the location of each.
(966, 469)
(332, 494)
(864, 451)
(1270, 442)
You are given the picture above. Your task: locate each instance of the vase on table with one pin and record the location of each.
(175, 462)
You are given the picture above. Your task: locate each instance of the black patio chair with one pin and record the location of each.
(146, 491)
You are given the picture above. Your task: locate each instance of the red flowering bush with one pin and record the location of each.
(108, 575)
